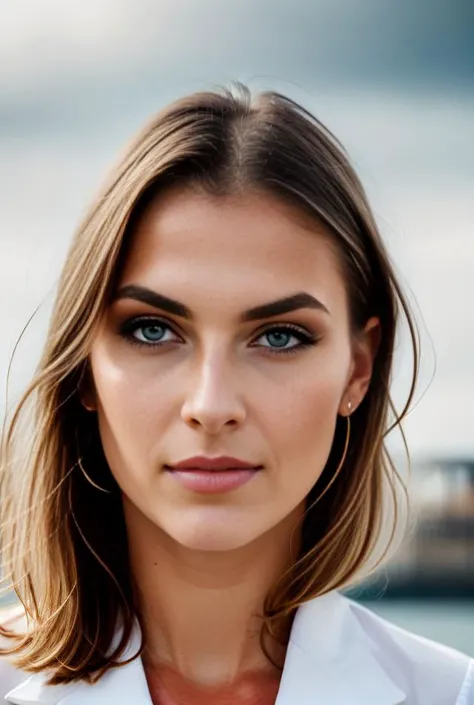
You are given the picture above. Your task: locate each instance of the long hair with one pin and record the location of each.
(63, 537)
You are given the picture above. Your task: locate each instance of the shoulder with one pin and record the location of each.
(429, 671)
(12, 618)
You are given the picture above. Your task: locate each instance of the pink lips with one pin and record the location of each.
(213, 475)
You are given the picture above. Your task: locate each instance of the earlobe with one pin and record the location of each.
(87, 400)
(346, 408)
(86, 391)
(365, 351)
(87, 406)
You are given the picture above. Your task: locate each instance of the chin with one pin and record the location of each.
(208, 543)
(218, 533)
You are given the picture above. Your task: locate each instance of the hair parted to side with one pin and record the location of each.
(63, 540)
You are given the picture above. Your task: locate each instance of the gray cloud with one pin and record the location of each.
(82, 61)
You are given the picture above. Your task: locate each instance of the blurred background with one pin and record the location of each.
(394, 81)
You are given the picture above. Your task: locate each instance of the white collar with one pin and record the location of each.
(329, 660)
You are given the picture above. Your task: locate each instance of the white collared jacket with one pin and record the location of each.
(339, 653)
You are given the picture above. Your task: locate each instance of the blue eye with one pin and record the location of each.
(147, 332)
(279, 339)
(152, 333)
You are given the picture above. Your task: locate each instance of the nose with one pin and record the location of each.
(213, 402)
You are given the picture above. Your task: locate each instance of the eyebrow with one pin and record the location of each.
(278, 307)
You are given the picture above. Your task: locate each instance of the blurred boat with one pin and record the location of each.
(437, 561)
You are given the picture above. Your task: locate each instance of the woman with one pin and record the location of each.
(207, 465)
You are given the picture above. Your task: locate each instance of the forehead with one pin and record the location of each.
(251, 245)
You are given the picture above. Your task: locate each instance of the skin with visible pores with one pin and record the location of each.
(266, 391)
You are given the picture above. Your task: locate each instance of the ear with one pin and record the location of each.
(86, 390)
(365, 349)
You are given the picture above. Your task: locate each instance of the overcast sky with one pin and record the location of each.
(395, 81)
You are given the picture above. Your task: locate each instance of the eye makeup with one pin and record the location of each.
(153, 332)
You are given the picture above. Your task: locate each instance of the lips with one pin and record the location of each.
(212, 475)
(221, 463)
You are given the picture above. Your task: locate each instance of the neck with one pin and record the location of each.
(200, 610)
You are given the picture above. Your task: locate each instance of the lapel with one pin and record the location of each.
(329, 660)
(118, 686)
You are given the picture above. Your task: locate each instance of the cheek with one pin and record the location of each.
(309, 415)
(302, 424)
(132, 414)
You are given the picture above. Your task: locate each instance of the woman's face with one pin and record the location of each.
(195, 358)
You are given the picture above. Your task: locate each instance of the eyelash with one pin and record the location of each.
(306, 339)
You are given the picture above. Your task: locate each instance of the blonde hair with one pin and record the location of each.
(64, 543)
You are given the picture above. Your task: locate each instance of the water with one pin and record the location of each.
(449, 622)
